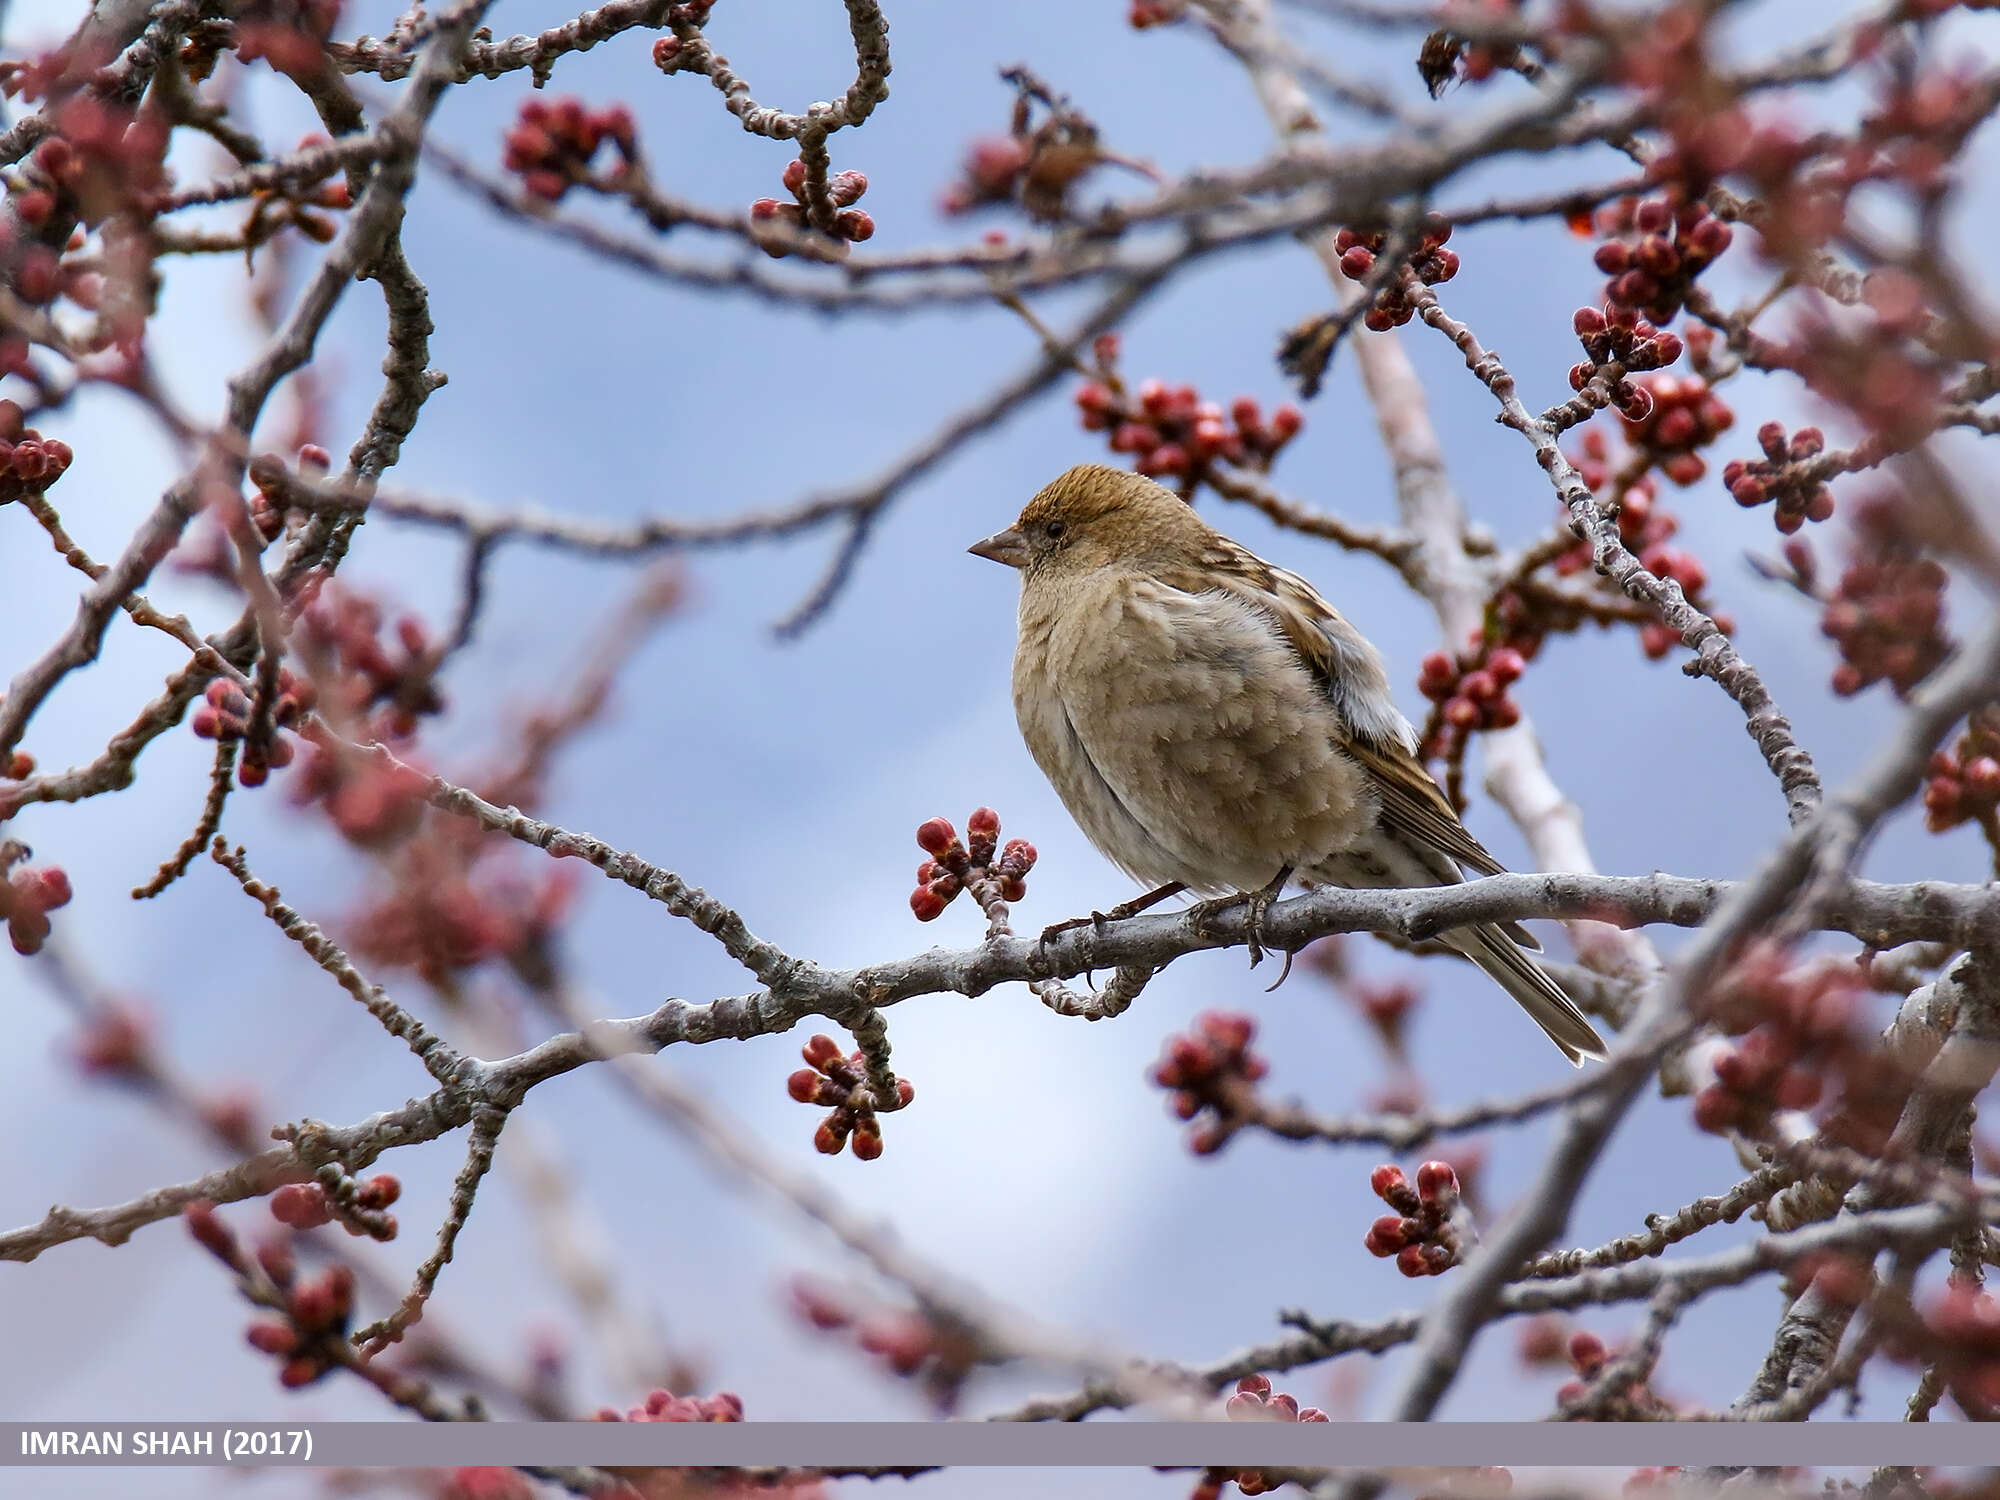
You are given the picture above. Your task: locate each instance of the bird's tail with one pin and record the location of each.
(1540, 996)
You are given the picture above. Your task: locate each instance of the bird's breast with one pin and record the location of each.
(1184, 734)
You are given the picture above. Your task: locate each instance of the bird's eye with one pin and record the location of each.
(1055, 530)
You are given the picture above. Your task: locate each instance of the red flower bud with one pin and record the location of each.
(1132, 437)
(273, 1337)
(1385, 1236)
(1716, 1108)
(301, 1372)
(1436, 1178)
(210, 1232)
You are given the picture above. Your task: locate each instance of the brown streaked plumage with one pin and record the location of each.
(1210, 720)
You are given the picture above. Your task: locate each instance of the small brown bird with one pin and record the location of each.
(1214, 725)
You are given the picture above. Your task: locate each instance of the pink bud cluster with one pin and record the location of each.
(27, 896)
(1841, 1277)
(371, 802)
(1908, 141)
(1776, 477)
(1962, 783)
(1543, 1341)
(1386, 1005)
(1430, 263)
(447, 911)
(1963, 1328)
(29, 462)
(1685, 416)
(1587, 1355)
(1034, 165)
(953, 866)
(1617, 337)
(1653, 251)
(1472, 692)
(1420, 1233)
(1887, 618)
(105, 158)
(553, 142)
(1253, 1400)
(1635, 1401)
(309, 1334)
(290, 34)
(358, 1204)
(269, 502)
(1212, 1071)
(665, 1406)
(906, 1342)
(392, 685)
(1797, 1040)
(843, 188)
(117, 1041)
(991, 172)
(1170, 432)
(225, 714)
(1875, 367)
(672, 53)
(841, 1083)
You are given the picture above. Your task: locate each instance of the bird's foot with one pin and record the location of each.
(1117, 913)
(1056, 929)
(1256, 905)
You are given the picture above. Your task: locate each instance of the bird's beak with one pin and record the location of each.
(1008, 547)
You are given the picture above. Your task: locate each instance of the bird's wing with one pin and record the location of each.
(1350, 671)
(1413, 803)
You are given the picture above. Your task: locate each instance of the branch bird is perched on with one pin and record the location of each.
(1214, 725)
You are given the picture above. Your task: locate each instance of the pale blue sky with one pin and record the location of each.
(1037, 1160)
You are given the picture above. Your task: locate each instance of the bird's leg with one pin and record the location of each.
(1258, 904)
(1117, 913)
(1255, 903)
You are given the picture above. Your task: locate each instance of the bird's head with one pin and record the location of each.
(1091, 517)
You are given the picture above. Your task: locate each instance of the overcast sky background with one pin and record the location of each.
(787, 778)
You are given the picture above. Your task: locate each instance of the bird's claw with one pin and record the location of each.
(1283, 974)
(1055, 930)
(1118, 913)
(1256, 904)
